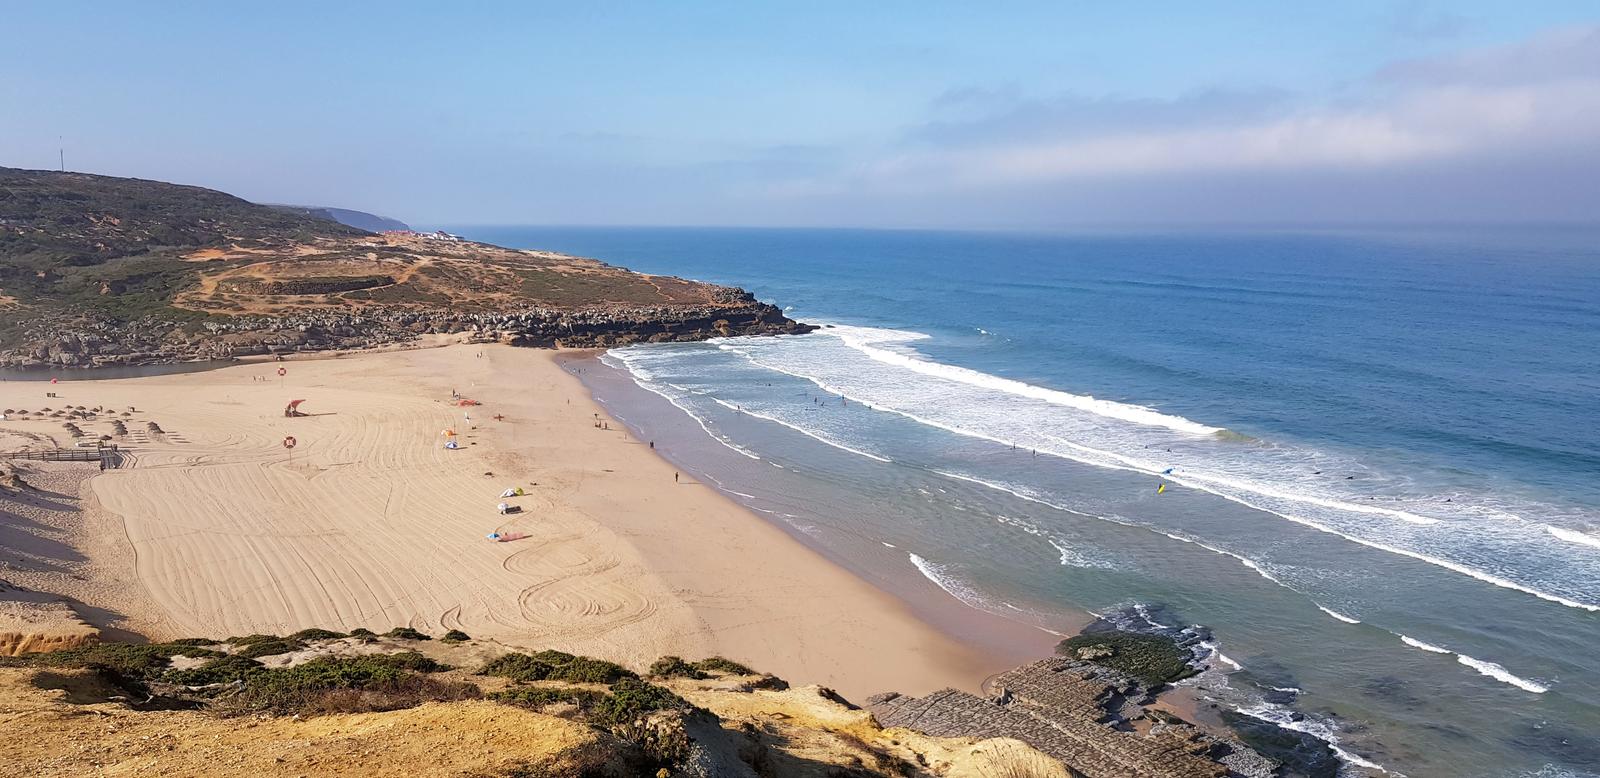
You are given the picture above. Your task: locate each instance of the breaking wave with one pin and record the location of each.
(1574, 536)
(1338, 615)
(876, 369)
(937, 573)
(1490, 669)
(863, 339)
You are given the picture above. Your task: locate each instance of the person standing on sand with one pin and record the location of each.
(674, 477)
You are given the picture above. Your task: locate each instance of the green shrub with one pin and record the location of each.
(630, 699)
(270, 647)
(194, 642)
(537, 697)
(410, 660)
(317, 634)
(555, 666)
(362, 632)
(455, 636)
(223, 669)
(674, 667)
(586, 670)
(131, 660)
(406, 633)
(517, 667)
(351, 684)
(1149, 659)
(551, 657)
(717, 664)
(250, 640)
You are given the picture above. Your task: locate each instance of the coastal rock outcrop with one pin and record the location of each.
(1089, 717)
(92, 341)
(96, 270)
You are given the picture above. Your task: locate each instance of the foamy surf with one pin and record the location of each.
(1283, 717)
(1574, 536)
(1338, 615)
(1491, 669)
(641, 378)
(797, 428)
(935, 572)
(865, 340)
(1499, 673)
(991, 408)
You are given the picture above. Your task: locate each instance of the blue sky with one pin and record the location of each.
(897, 114)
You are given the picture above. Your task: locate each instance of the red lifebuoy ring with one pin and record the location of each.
(289, 442)
(283, 371)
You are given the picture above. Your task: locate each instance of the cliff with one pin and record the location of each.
(322, 703)
(403, 703)
(360, 220)
(96, 270)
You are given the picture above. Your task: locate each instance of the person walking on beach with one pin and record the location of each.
(674, 477)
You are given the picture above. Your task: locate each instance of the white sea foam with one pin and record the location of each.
(1244, 560)
(1490, 669)
(1216, 652)
(865, 340)
(1414, 643)
(1338, 615)
(1214, 486)
(797, 428)
(638, 376)
(1260, 476)
(1499, 673)
(935, 572)
(1574, 536)
(1283, 717)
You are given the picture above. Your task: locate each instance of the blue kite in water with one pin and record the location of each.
(1168, 471)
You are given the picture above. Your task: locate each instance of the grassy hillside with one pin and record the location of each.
(115, 245)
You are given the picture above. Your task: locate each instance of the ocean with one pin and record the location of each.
(1368, 462)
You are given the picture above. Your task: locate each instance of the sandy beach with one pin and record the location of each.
(213, 527)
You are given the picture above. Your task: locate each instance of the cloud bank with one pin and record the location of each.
(1504, 133)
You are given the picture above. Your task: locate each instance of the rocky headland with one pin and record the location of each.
(99, 271)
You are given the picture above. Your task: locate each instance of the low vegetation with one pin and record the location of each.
(1149, 659)
(556, 666)
(615, 722)
(676, 667)
(223, 669)
(373, 682)
(123, 665)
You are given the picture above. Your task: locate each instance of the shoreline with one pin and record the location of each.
(371, 522)
(985, 631)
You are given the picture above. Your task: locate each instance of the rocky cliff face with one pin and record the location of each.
(92, 341)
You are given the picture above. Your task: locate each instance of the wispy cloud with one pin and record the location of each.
(1536, 97)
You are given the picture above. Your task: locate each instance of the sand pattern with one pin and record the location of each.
(369, 521)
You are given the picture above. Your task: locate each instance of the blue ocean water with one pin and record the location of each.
(1380, 450)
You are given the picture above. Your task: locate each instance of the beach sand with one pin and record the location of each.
(214, 528)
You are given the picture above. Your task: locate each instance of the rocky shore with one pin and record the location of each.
(96, 341)
(104, 271)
